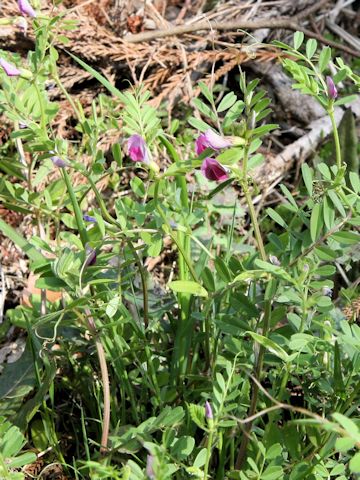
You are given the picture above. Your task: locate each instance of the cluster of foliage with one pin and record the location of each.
(124, 378)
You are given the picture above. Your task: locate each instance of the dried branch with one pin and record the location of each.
(238, 27)
(302, 148)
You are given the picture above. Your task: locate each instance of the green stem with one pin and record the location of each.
(283, 383)
(267, 315)
(4, 469)
(208, 453)
(184, 331)
(254, 221)
(42, 112)
(182, 241)
(91, 323)
(67, 96)
(178, 240)
(304, 309)
(105, 381)
(142, 271)
(76, 207)
(336, 136)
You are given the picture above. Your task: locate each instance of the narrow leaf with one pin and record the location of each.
(187, 286)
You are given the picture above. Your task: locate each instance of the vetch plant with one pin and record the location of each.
(194, 335)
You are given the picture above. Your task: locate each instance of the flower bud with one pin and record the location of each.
(332, 91)
(208, 411)
(26, 74)
(58, 162)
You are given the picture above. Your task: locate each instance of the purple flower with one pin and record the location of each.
(26, 9)
(58, 162)
(332, 91)
(208, 411)
(213, 170)
(9, 68)
(150, 467)
(89, 218)
(210, 139)
(137, 149)
(90, 255)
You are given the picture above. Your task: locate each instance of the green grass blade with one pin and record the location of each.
(100, 78)
(21, 242)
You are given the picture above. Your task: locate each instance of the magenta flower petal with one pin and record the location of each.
(137, 149)
(150, 467)
(201, 144)
(216, 141)
(208, 411)
(9, 68)
(213, 170)
(26, 9)
(332, 91)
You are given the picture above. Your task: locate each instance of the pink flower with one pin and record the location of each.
(332, 91)
(26, 9)
(201, 144)
(210, 139)
(137, 149)
(213, 170)
(9, 68)
(208, 411)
